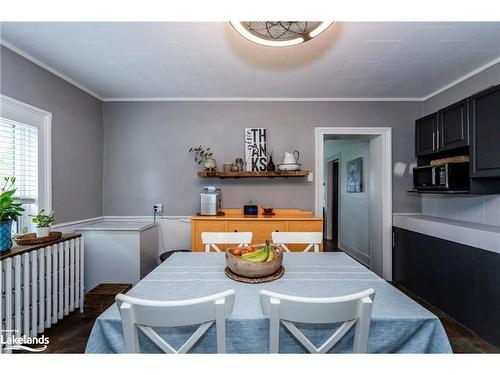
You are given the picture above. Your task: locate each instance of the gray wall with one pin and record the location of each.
(478, 82)
(146, 143)
(76, 134)
(476, 208)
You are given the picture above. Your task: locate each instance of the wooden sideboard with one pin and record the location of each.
(284, 220)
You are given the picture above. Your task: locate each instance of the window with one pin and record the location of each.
(25, 154)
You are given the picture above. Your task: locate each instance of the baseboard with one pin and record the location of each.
(355, 253)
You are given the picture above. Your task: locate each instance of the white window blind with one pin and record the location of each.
(19, 156)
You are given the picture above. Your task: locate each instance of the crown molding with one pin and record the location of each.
(255, 99)
(246, 99)
(48, 68)
(463, 78)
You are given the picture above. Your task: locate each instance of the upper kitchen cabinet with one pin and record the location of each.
(484, 133)
(425, 135)
(444, 130)
(452, 131)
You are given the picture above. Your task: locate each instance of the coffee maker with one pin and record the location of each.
(210, 201)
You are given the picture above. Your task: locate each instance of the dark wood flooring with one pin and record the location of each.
(71, 334)
(462, 340)
(330, 245)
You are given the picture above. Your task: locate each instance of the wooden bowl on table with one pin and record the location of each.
(245, 268)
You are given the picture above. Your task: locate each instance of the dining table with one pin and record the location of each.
(398, 324)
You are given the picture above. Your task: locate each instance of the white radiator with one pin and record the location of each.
(38, 288)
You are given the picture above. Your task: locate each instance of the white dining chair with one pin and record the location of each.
(354, 309)
(143, 314)
(211, 239)
(311, 239)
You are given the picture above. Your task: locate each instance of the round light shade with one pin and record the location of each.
(280, 33)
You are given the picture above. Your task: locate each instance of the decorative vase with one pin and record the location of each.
(5, 236)
(209, 164)
(42, 231)
(270, 164)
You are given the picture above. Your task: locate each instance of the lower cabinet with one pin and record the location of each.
(461, 281)
(261, 229)
(200, 226)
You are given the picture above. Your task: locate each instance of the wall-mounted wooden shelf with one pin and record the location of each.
(253, 174)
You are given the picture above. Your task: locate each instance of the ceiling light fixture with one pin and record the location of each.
(280, 33)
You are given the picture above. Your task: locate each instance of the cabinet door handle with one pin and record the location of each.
(277, 230)
(236, 230)
(433, 141)
(437, 139)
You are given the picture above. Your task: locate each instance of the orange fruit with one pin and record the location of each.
(237, 252)
(250, 249)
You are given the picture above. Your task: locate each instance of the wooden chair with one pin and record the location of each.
(354, 309)
(312, 239)
(143, 314)
(211, 239)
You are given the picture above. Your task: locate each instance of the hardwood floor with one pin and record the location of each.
(71, 334)
(330, 245)
(461, 339)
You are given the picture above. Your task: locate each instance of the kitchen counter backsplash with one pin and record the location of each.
(483, 209)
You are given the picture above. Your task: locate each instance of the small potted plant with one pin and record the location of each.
(10, 210)
(42, 223)
(204, 155)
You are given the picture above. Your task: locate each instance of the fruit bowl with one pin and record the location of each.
(254, 269)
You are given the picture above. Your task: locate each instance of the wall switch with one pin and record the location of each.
(310, 177)
(158, 207)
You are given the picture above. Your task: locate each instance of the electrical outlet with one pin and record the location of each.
(310, 177)
(158, 207)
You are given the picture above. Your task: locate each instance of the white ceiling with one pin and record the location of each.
(209, 60)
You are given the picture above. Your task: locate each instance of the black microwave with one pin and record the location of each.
(450, 177)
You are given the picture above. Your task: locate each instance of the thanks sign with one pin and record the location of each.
(256, 149)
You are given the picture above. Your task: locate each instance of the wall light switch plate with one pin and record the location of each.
(158, 207)
(310, 177)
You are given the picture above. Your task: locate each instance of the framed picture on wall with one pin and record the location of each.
(354, 180)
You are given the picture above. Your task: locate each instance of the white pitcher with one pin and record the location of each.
(291, 158)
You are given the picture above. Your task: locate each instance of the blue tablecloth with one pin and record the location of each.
(399, 325)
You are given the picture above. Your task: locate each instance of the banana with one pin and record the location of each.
(257, 253)
(266, 254)
(270, 254)
(259, 258)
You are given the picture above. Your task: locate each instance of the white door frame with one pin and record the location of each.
(386, 134)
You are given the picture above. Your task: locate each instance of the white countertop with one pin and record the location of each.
(117, 225)
(482, 236)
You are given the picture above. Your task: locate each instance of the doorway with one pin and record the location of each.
(335, 199)
(364, 216)
(332, 209)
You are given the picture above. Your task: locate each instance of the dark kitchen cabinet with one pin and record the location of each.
(484, 133)
(425, 135)
(452, 131)
(460, 280)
